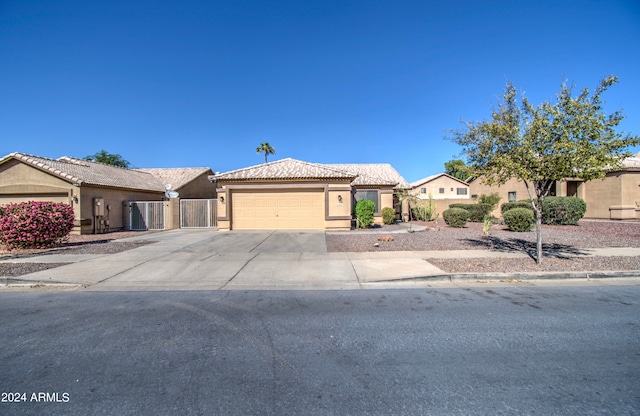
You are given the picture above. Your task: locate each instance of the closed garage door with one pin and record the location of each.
(17, 198)
(271, 210)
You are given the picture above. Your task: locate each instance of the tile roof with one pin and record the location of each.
(632, 162)
(373, 174)
(80, 172)
(286, 169)
(432, 177)
(360, 174)
(176, 177)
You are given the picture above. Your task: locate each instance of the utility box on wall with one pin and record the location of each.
(98, 207)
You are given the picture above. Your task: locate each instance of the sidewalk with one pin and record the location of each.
(200, 261)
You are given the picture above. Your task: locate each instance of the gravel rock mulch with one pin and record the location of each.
(19, 269)
(562, 245)
(549, 264)
(77, 244)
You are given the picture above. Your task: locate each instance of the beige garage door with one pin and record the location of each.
(17, 198)
(275, 210)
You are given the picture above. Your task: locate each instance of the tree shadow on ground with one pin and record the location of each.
(559, 251)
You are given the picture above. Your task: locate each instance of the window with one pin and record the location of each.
(423, 190)
(441, 190)
(511, 197)
(371, 195)
(462, 191)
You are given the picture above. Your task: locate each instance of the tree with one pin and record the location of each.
(109, 159)
(570, 138)
(457, 168)
(267, 149)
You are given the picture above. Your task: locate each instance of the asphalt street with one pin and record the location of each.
(480, 349)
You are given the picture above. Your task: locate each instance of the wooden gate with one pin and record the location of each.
(198, 213)
(146, 215)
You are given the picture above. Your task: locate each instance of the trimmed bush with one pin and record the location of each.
(365, 210)
(519, 219)
(388, 215)
(492, 199)
(456, 217)
(518, 204)
(563, 210)
(35, 224)
(477, 212)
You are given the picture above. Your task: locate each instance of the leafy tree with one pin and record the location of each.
(571, 137)
(457, 168)
(109, 159)
(267, 149)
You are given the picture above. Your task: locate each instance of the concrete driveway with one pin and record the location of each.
(242, 260)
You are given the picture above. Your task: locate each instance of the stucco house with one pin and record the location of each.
(617, 196)
(293, 194)
(440, 186)
(98, 193)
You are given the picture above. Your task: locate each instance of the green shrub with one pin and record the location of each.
(519, 219)
(365, 210)
(456, 217)
(519, 204)
(477, 212)
(563, 210)
(423, 212)
(492, 199)
(35, 224)
(388, 215)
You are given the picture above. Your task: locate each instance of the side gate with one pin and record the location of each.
(198, 213)
(146, 215)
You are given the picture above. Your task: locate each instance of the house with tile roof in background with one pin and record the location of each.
(100, 194)
(616, 196)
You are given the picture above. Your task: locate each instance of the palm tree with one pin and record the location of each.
(267, 149)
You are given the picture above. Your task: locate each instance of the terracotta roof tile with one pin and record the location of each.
(374, 174)
(286, 169)
(79, 172)
(176, 177)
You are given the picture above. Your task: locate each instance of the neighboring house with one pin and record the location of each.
(617, 196)
(190, 183)
(97, 192)
(440, 186)
(292, 194)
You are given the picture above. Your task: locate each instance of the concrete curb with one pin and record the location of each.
(451, 277)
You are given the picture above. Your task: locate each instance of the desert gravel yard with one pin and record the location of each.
(77, 244)
(562, 245)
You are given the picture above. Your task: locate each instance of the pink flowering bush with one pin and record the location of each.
(35, 224)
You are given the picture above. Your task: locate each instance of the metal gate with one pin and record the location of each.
(146, 215)
(198, 213)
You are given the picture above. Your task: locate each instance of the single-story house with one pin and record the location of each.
(617, 196)
(293, 194)
(440, 186)
(98, 193)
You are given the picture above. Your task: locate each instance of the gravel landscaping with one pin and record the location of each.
(77, 244)
(562, 246)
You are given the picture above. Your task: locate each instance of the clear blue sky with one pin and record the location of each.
(203, 83)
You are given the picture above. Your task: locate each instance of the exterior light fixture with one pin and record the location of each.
(340, 198)
(222, 199)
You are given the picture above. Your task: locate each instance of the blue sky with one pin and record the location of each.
(203, 83)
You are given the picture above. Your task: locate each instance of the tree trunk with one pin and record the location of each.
(539, 235)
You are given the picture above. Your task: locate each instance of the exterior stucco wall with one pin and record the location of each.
(199, 188)
(447, 185)
(114, 200)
